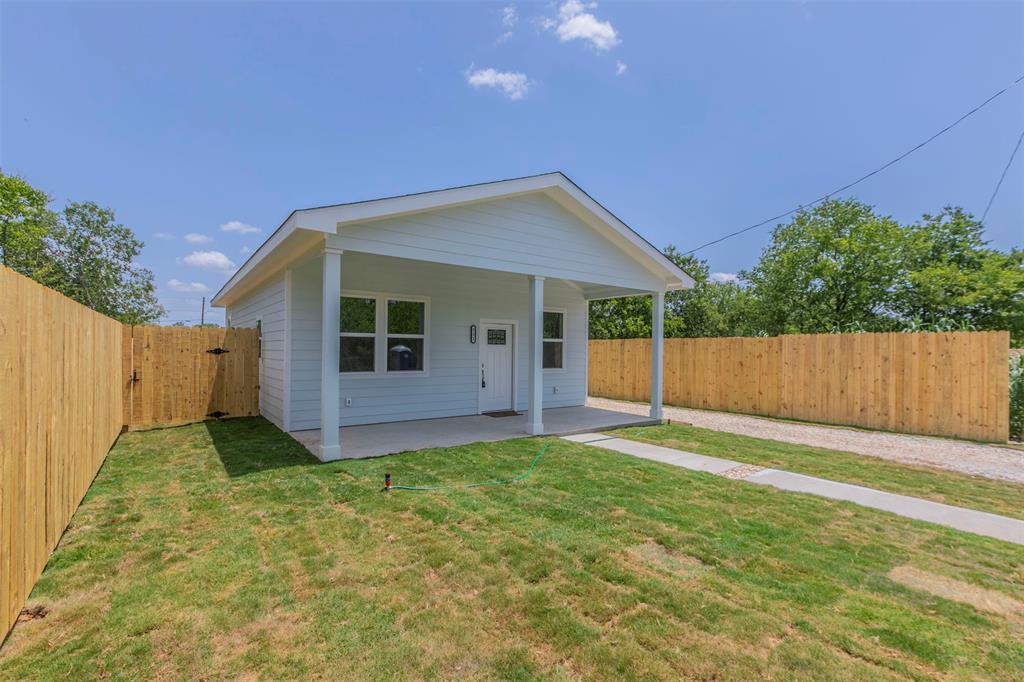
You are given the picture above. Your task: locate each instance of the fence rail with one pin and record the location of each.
(70, 380)
(948, 384)
(60, 411)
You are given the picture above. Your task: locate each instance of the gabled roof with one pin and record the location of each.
(305, 228)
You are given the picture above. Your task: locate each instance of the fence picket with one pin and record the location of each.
(947, 384)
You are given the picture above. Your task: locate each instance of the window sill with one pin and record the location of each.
(384, 375)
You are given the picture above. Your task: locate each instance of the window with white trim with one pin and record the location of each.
(358, 334)
(407, 335)
(554, 339)
(383, 334)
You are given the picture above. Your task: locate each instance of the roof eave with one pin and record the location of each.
(326, 219)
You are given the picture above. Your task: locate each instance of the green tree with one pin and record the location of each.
(25, 222)
(708, 309)
(92, 260)
(621, 318)
(833, 267)
(951, 274)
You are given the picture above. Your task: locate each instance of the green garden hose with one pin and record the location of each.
(500, 481)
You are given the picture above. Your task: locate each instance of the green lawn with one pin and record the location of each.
(974, 492)
(223, 550)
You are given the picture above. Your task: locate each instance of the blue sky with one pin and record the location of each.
(687, 120)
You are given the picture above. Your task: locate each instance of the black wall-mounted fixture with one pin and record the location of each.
(472, 333)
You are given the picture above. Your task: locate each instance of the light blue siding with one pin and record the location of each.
(267, 304)
(530, 234)
(459, 297)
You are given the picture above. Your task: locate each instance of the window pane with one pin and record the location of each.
(357, 353)
(552, 355)
(405, 355)
(553, 326)
(405, 317)
(495, 337)
(358, 315)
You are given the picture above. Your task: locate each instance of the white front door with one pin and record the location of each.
(495, 367)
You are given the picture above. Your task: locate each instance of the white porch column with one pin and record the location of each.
(330, 357)
(657, 351)
(535, 414)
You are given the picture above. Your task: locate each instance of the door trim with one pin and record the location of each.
(481, 340)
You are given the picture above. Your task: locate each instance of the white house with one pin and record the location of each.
(460, 301)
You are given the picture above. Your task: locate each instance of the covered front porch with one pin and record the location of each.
(388, 320)
(373, 440)
(483, 345)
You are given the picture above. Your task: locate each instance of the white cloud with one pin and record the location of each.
(246, 249)
(620, 68)
(724, 277)
(187, 287)
(240, 227)
(503, 37)
(209, 260)
(163, 235)
(196, 238)
(575, 23)
(514, 85)
(509, 16)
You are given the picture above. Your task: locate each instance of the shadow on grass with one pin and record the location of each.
(250, 445)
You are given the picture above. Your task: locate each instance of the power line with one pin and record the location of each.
(1002, 177)
(863, 177)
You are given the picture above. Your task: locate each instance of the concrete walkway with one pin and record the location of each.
(969, 520)
(976, 459)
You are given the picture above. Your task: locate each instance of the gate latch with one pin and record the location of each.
(218, 350)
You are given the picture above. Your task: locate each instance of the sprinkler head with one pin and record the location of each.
(387, 482)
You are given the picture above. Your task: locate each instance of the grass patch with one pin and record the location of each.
(974, 492)
(224, 550)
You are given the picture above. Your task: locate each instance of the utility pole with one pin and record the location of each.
(202, 313)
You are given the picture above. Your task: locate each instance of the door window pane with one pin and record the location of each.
(405, 317)
(552, 355)
(495, 337)
(357, 353)
(358, 315)
(405, 355)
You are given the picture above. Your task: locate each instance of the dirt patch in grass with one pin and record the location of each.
(651, 554)
(33, 613)
(957, 590)
(278, 630)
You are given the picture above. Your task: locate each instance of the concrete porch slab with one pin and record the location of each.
(373, 440)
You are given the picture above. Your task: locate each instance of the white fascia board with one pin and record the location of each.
(283, 246)
(330, 218)
(327, 219)
(678, 279)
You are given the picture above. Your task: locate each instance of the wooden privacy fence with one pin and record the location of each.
(70, 380)
(60, 411)
(178, 375)
(948, 384)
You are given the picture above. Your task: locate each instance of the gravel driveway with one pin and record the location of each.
(969, 458)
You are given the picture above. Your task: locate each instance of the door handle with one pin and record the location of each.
(483, 380)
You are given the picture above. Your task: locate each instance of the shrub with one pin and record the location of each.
(1017, 397)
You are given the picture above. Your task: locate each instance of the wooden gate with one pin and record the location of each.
(178, 375)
